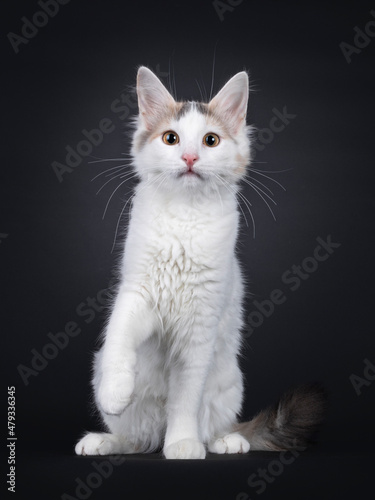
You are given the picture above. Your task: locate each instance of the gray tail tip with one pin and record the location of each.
(300, 413)
(292, 423)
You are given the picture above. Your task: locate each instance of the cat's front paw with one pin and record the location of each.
(96, 443)
(115, 392)
(231, 443)
(185, 449)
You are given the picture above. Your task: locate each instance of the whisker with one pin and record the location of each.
(261, 190)
(204, 97)
(256, 189)
(128, 176)
(111, 179)
(108, 159)
(174, 83)
(261, 183)
(118, 167)
(267, 177)
(110, 198)
(213, 70)
(124, 167)
(200, 90)
(233, 193)
(246, 201)
(169, 76)
(271, 171)
(117, 226)
(248, 205)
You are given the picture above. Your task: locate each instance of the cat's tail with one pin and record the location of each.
(290, 424)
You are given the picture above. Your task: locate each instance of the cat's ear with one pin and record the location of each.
(153, 98)
(230, 104)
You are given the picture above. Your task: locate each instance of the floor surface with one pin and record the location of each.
(313, 474)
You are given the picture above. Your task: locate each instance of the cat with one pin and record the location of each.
(167, 375)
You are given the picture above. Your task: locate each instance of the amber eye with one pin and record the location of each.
(170, 138)
(211, 140)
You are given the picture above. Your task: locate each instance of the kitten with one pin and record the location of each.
(168, 373)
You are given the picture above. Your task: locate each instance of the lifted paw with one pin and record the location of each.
(115, 392)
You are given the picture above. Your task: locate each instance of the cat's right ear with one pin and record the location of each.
(153, 98)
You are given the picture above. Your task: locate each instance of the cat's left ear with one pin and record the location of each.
(230, 104)
(153, 98)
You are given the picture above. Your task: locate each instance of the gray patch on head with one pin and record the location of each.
(202, 107)
(187, 106)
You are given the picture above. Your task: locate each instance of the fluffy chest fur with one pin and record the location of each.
(180, 255)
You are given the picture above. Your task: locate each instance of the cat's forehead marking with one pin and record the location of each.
(212, 118)
(187, 106)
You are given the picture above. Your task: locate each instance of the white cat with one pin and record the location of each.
(167, 374)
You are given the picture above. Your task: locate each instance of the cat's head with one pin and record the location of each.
(191, 145)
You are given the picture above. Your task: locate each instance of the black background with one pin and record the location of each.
(57, 251)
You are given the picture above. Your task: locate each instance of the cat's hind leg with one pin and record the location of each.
(103, 443)
(231, 443)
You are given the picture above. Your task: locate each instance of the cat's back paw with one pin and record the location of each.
(231, 443)
(185, 449)
(99, 444)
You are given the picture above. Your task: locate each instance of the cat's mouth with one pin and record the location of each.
(190, 173)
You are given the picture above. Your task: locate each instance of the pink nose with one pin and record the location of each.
(190, 159)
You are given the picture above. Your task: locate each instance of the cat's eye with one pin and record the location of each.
(170, 138)
(211, 140)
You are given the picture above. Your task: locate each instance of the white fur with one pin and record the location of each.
(232, 443)
(167, 374)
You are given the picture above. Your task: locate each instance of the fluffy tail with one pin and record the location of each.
(290, 424)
